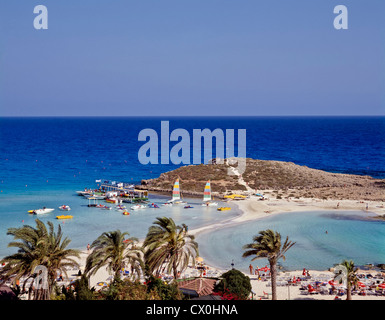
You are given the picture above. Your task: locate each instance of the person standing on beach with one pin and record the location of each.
(251, 268)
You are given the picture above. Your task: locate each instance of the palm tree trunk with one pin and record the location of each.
(273, 273)
(174, 267)
(348, 292)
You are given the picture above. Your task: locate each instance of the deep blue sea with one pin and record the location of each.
(43, 161)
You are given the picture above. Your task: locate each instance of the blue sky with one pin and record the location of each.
(173, 57)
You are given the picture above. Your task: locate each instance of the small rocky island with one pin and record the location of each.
(280, 179)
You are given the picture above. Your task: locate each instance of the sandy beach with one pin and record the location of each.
(253, 208)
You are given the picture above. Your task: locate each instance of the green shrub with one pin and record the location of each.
(235, 284)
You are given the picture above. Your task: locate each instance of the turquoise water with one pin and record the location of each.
(349, 236)
(88, 222)
(43, 161)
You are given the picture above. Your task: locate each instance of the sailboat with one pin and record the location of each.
(176, 194)
(207, 196)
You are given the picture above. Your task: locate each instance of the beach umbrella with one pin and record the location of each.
(199, 259)
(382, 285)
(102, 284)
(265, 269)
(333, 283)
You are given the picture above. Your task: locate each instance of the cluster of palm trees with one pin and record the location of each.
(167, 248)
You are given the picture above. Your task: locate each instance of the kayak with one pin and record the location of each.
(64, 217)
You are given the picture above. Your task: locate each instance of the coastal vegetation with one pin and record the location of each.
(167, 248)
(348, 273)
(268, 245)
(114, 250)
(170, 245)
(38, 246)
(234, 285)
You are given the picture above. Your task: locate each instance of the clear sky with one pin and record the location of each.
(192, 57)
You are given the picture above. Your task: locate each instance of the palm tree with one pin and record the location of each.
(268, 245)
(350, 274)
(38, 247)
(134, 258)
(113, 250)
(169, 246)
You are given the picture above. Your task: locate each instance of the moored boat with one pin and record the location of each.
(41, 211)
(235, 197)
(64, 217)
(95, 196)
(180, 202)
(223, 208)
(207, 196)
(65, 208)
(176, 194)
(84, 193)
(138, 206)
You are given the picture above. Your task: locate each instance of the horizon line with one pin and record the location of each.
(189, 116)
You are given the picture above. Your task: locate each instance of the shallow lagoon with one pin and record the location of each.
(350, 235)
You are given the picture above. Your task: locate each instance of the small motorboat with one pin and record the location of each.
(126, 213)
(65, 208)
(102, 206)
(180, 202)
(64, 217)
(138, 206)
(95, 196)
(112, 200)
(120, 208)
(153, 205)
(41, 211)
(188, 207)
